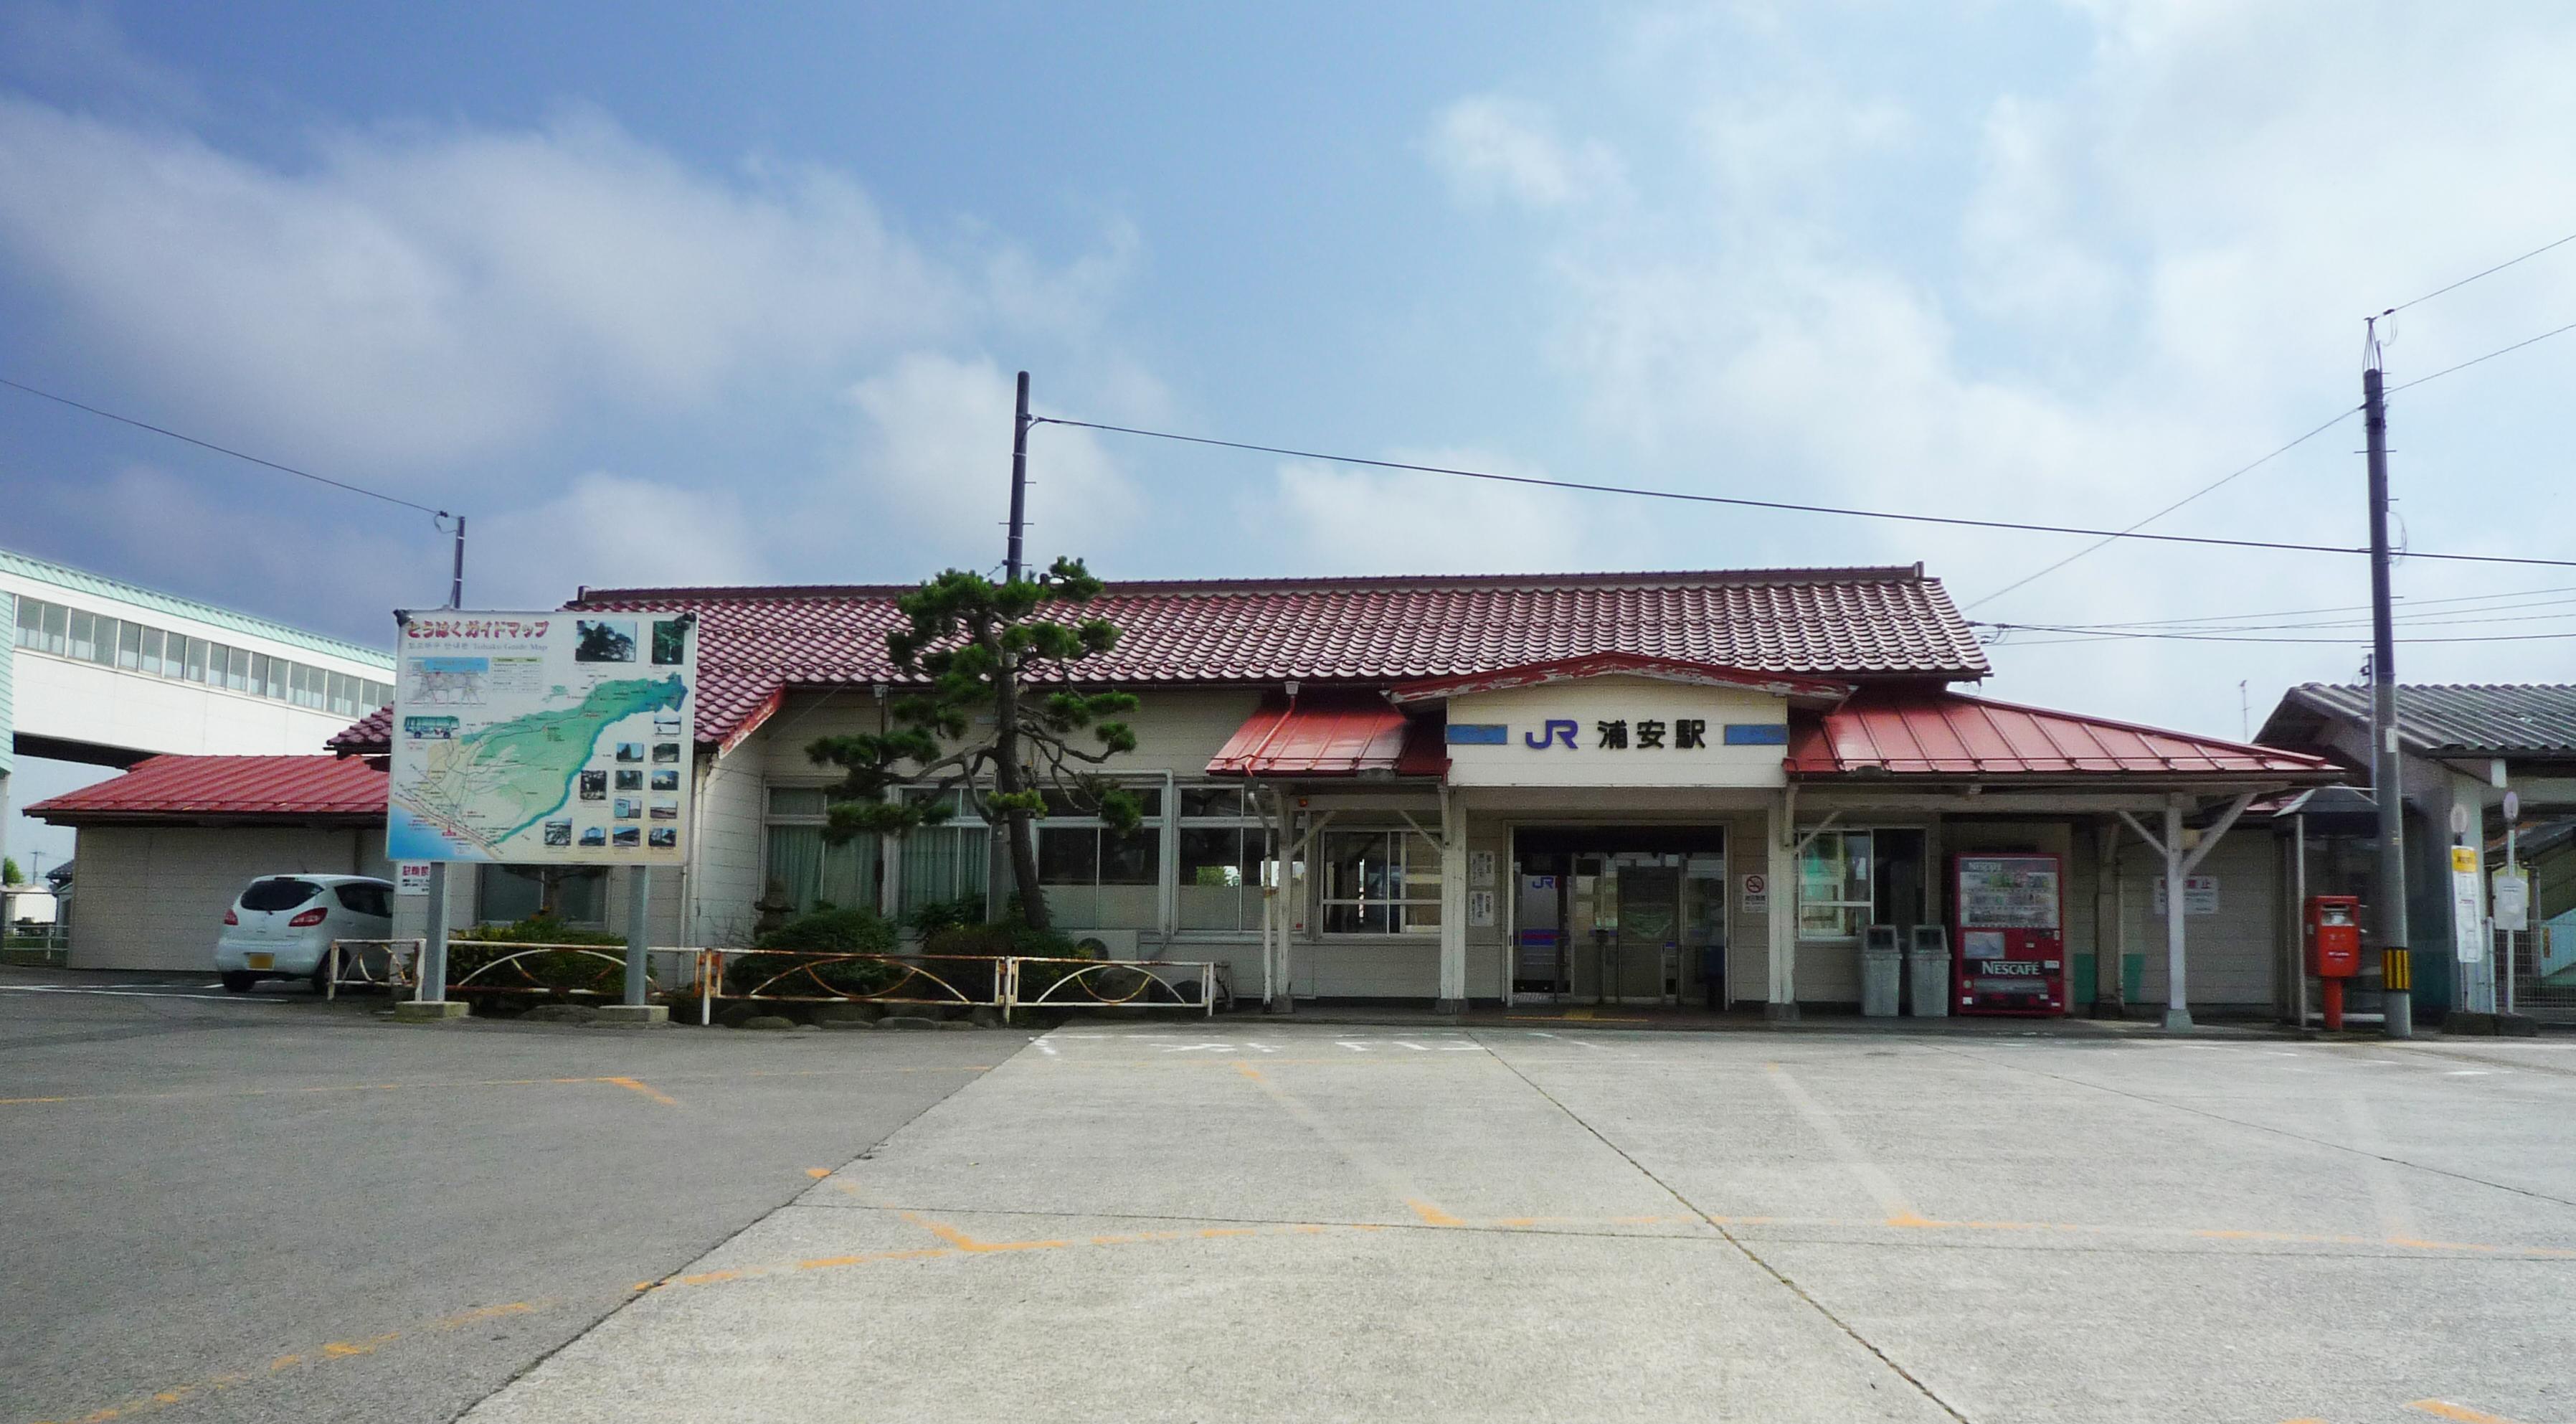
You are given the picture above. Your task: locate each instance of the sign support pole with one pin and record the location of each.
(639, 935)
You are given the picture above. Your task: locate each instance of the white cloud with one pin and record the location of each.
(2160, 262)
(424, 299)
(933, 468)
(1348, 519)
(1490, 149)
(607, 531)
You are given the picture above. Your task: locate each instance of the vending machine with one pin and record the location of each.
(2008, 919)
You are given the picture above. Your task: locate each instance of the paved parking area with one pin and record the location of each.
(1306, 1222)
(269, 1208)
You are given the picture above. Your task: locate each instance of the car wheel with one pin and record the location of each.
(321, 978)
(239, 982)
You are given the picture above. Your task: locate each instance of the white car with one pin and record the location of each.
(282, 926)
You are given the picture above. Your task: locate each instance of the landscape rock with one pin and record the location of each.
(771, 1023)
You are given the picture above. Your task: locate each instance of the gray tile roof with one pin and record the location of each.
(2504, 720)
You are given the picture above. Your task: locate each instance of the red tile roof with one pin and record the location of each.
(302, 788)
(1845, 624)
(1949, 734)
(1336, 732)
(1803, 689)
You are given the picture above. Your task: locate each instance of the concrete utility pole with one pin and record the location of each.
(2385, 772)
(1019, 480)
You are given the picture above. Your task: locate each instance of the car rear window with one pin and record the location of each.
(365, 899)
(278, 894)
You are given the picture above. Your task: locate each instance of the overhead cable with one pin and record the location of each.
(2464, 281)
(222, 450)
(1785, 507)
(2168, 509)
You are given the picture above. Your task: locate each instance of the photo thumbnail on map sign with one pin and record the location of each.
(510, 729)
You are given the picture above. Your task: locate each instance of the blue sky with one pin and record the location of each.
(659, 297)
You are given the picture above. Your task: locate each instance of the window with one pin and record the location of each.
(122, 643)
(1096, 877)
(281, 893)
(950, 861)
(365, 899)
(804, 871)
(1380, 882)
(1849, 879)
(1221, 851)
(505, 894)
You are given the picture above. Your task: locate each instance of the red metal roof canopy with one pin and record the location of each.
(302, 788)
(1948, 734)
(1340, 732)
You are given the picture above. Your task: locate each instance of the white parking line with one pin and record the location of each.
(134, 994)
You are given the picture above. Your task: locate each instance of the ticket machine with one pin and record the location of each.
(2334, 947)
(2008, 925)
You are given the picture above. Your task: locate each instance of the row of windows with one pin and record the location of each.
(1374, 882)
(122, 643)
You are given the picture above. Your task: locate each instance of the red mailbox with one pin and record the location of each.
(2334, 947)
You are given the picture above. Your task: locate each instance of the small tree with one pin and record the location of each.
(9, 871)
(980, 643)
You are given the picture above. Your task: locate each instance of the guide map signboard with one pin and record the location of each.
(543, 738)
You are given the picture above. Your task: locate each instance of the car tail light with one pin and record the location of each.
(308, 919)
(230, 918)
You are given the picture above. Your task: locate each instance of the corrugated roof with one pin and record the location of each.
(2462, 719)
(1331, 733)
(291, 787)
(1946, 733)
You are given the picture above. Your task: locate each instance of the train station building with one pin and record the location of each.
(1616, 789)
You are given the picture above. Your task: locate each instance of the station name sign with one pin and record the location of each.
(1680, 734)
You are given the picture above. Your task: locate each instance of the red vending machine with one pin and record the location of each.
(2008, 924)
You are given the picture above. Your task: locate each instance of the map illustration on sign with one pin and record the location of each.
(509, 727)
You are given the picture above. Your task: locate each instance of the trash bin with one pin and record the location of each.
(1882, 972)
(1927, 962)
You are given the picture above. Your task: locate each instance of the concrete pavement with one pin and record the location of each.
(1309, 1222)
(270, 1208)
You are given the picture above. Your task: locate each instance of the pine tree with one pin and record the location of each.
(979, 727)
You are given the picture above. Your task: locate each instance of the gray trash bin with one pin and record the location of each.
(1882, 972)
(1927, 963)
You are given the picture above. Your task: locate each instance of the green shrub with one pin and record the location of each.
(928, 920)
(536, 929)
(852, 931)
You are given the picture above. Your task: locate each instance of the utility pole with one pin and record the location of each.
(2385, 772)
(456, 582)
(1019, 480)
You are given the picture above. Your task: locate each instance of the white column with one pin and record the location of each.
(1453, 906)
(1780, 826)
(2177, 1010)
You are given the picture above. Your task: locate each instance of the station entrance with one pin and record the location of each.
(1619, 914)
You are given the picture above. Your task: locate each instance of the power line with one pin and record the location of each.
(2081, 635)
(1787, 507)
(2168, 509)
(2517, 346)
(2464, 281)
(222, 450)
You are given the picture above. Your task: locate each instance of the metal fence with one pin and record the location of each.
(1006, 983)
(2537, 972)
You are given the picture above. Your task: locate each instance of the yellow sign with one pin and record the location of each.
(2464, 859)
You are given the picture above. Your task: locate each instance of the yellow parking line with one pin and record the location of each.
(334, 1350)
(2448, 1410)
(630, 1083)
